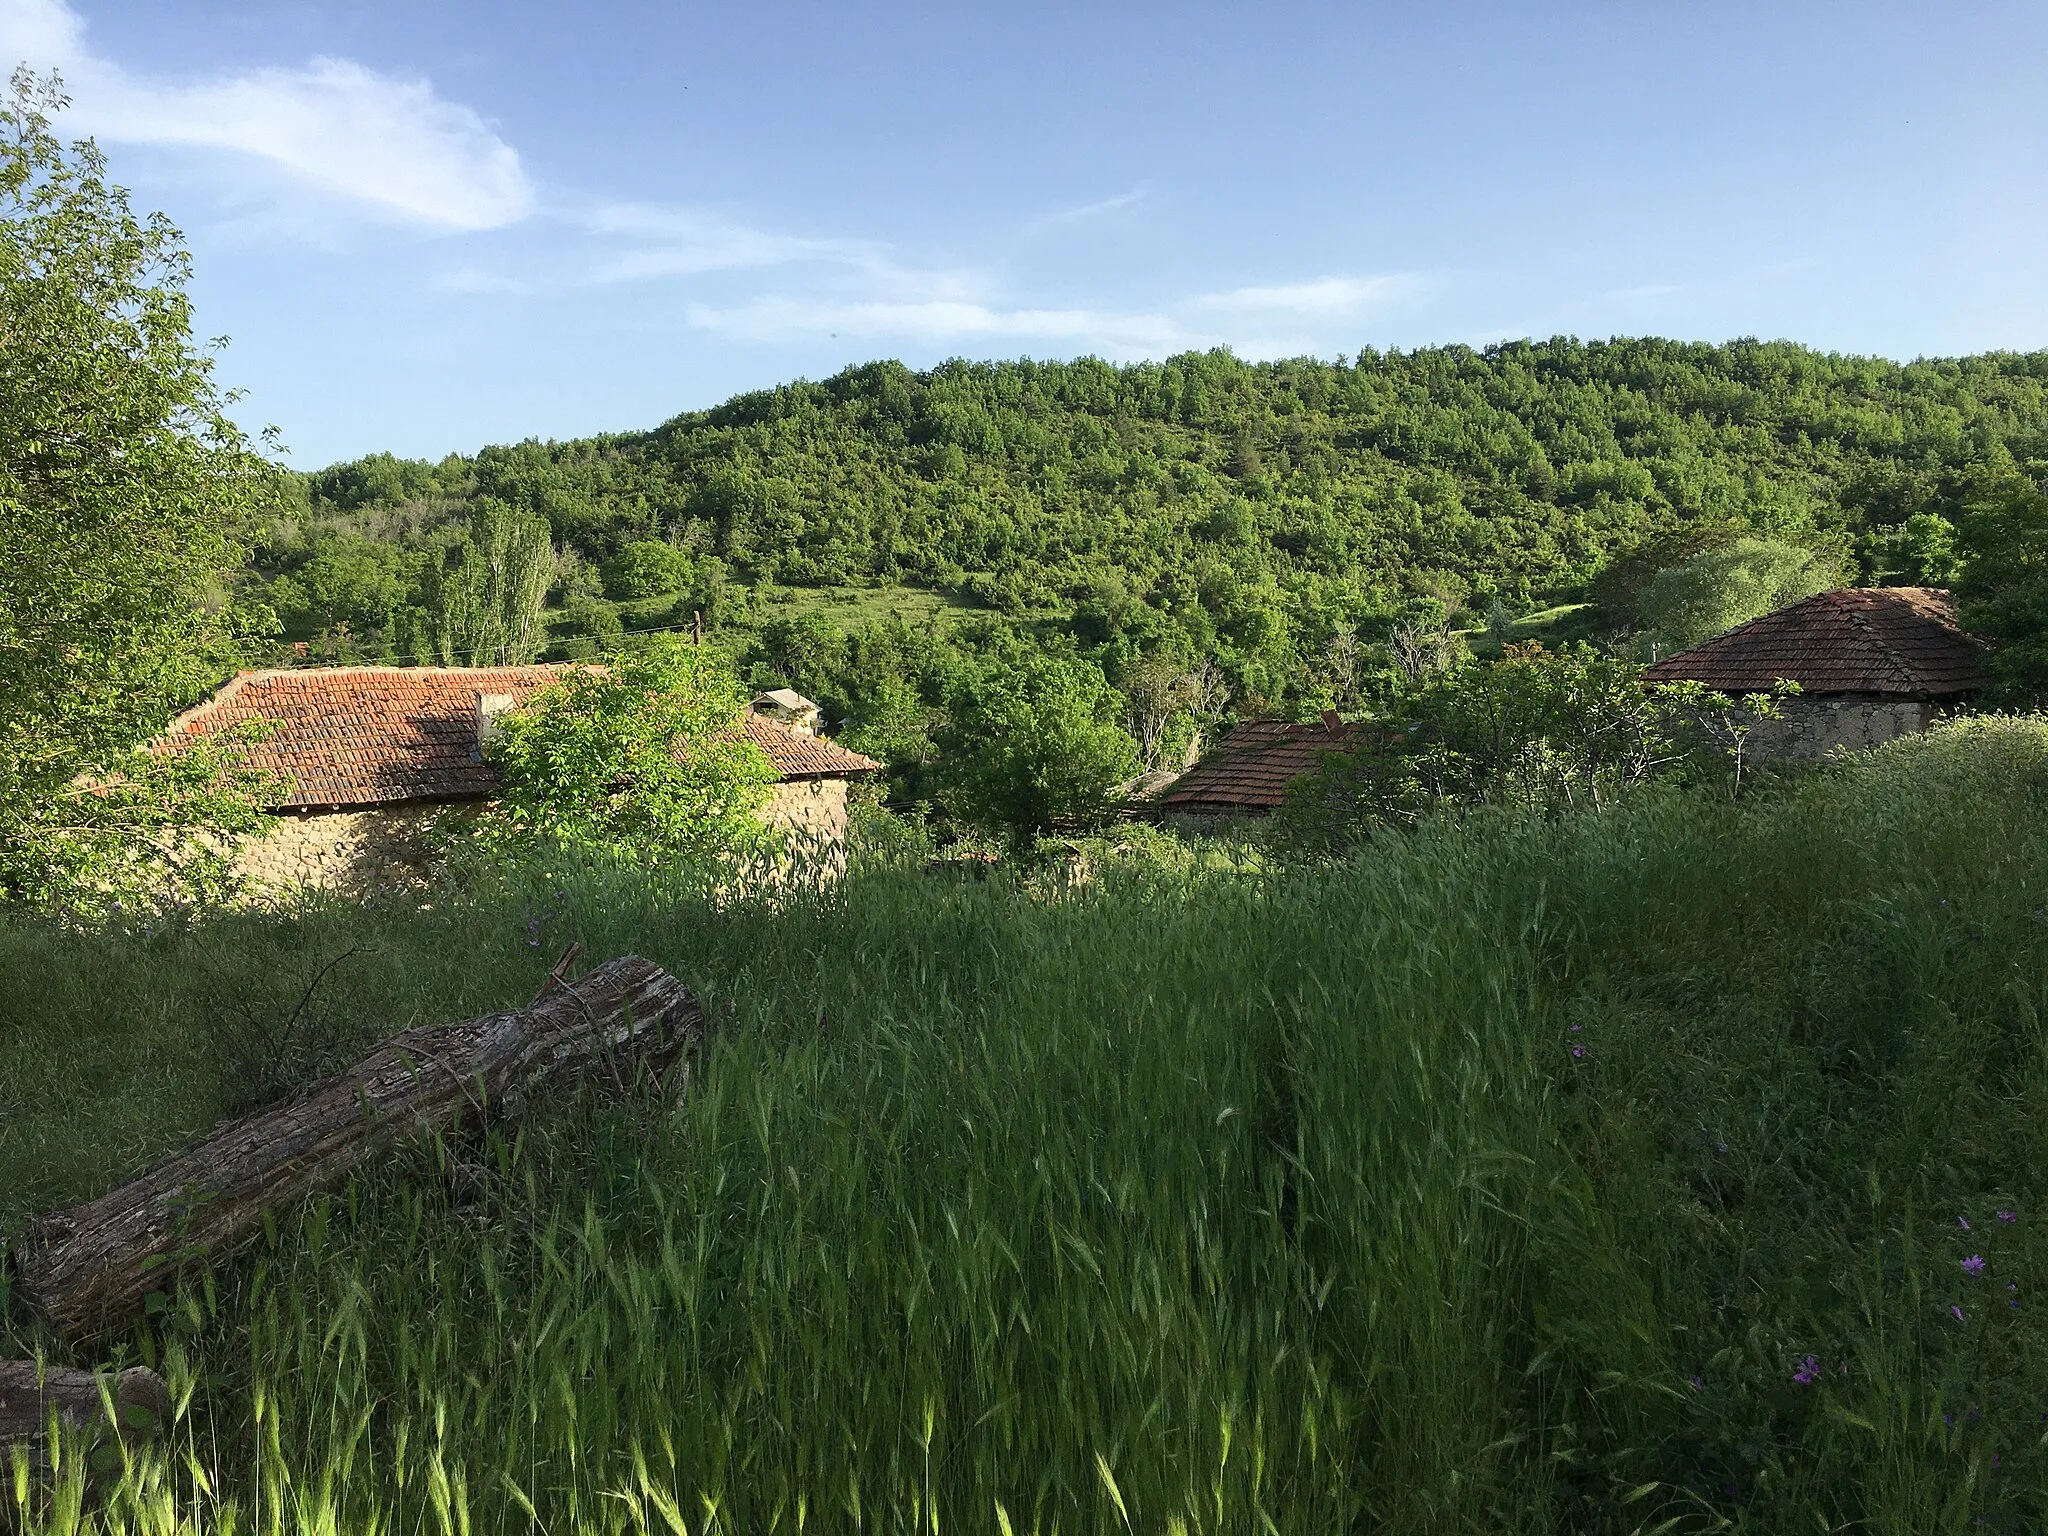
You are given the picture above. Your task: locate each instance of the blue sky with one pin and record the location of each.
(432, 224)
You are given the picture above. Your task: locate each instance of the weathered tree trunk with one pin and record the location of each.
(92, 1267)
(30, 1394)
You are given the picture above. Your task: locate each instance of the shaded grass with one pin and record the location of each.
(1276, 1202)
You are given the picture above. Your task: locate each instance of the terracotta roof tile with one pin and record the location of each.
(1250, 769)
(799, 755)
(1898, 641)
(361, 736)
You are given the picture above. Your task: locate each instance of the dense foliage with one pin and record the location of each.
(1655, 1169)
(1310, 531)
(126, 492)
(2004, 588)
(642, 759)
(1034, 744)
(1552, 732)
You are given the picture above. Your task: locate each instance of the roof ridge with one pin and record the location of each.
(1901, 669)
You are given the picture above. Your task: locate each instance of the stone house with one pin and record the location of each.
(369, 758)
(1872, 663)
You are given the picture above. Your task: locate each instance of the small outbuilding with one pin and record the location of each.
(368, 758)
(790, 708)
(1872, 664)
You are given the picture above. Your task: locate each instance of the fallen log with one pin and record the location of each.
(92, 1267)
(31, 1395)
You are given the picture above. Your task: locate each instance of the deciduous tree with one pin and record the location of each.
(125, 493)
(643, 759)
(2003, 590)
(1036, 743)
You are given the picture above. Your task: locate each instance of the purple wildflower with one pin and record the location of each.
(1578, 1051)
(1974, 1264)
(2008, 1217)
(1808, 1372)
(1956, 1313)
(1963, 1222)
(1697, 1384)
(1577, 1027)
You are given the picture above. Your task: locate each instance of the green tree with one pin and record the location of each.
(1552, 731)
(1037, 743)
(803, 650)
(1713, 592)
(491, 600)
(649, 568)
(643, 760)
(2002, 594)
(125, 493)
(366, 584)
(1926, 545)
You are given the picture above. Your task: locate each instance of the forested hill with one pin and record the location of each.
(1247, 509)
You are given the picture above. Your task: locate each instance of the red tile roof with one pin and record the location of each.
(799, 755)
(1897, 641)
(1250, 769)
(362, 736)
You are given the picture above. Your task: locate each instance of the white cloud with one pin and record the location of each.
(1330, 296)
(1279, 321)
(943, 320)
(390, 145)
(678, 242)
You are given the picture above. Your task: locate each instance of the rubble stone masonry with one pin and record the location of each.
(1814, 727)
(361, 852)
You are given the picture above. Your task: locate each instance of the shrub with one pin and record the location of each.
(642, 760)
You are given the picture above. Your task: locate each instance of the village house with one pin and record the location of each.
(1872, 664)
(368, 758)
(1248, 771)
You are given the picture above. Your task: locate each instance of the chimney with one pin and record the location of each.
(489, 706)
(1332, 721)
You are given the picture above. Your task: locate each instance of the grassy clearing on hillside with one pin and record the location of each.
(1514, 1176)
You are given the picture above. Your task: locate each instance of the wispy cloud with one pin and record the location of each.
(384, 144)
(1263, 322)
(1082, 211)
(1334, 297)
(335, 133)
(678, 242)
(939, 321)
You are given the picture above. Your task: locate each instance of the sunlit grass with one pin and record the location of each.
(1508, 1178)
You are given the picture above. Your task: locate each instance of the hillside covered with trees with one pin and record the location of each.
(1282, 518)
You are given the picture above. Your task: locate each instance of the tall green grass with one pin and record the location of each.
(1595, 1175)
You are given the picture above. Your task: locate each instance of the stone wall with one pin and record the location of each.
(1810, 727)
(810, 807)
(360, 852)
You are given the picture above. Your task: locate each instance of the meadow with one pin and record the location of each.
(1607, 1173)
